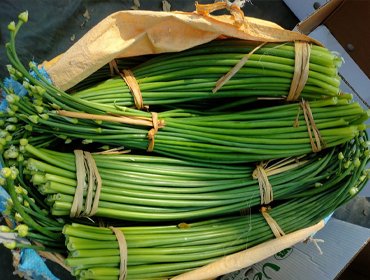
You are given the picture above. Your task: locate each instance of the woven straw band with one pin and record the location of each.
(89, 180)
(266, 193)
(122, 252)
(153, 132)
(302, 51)
(224, 79)
(130, 80)
(114, 151)
(265, 169)
(275, 228)
(315, 139)
(235, 11)
(113, 67)
(154, 122)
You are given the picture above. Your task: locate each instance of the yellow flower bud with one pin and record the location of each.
(10, 245)
(18, 217)
(5, 229)
(22, 230)
(11, 26)
(23, 16)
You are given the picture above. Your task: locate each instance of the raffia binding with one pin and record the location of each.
(129, 78)
(142, 121)
(234, 9)
(296, 121)
(122, 252)
(224, 79)
(315, 139)
(302, 51)
(275, 228)
(266, 192)
(89, 180)
(265, 169)
(153, 132)
(154, 122)
(113, 67)
(114, 151)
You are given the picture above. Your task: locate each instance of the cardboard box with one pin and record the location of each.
(342, 242)
(342, 26)
(348, 22)
(309, 16)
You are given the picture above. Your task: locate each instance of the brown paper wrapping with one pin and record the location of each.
(248, 257)
(133, 33)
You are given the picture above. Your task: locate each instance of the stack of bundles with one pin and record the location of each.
(228, 150)
(157, 252)
(151, 188)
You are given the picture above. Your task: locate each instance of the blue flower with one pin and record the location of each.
(16, 86)
(43, 72)
(3, 105)
(3, 102)
(4, 196)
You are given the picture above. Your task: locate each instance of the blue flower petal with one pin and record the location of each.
(3, 105)
(43, 72)
(4, 196)
(16, 86)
